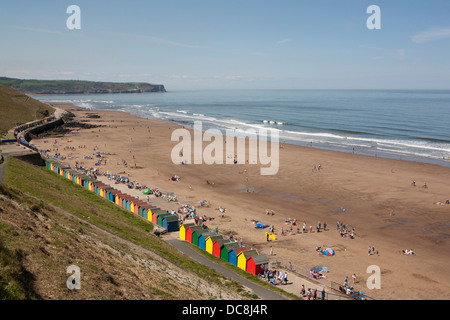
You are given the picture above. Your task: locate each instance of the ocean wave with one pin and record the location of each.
(273, 122)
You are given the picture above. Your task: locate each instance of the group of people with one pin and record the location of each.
(276, 277)
(311, 294)
(293, 223)
(408, 252)
(344, 230)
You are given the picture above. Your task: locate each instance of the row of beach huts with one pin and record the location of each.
(231, 251)
(162, 218)
(210, 241)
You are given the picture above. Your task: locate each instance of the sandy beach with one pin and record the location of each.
(371, 195)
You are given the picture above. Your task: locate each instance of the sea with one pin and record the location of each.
(409, 125)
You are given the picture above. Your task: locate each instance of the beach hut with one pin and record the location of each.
(189, 232)
(225, 249)
(106, 191)
(150, 210)
(233, 253)
(143, 209)
(202, 239)
(183, 228)
(217, 245)
(155, 214)
(160, 216)
(257, 264)
(243, 256)
(210, 242)
(170, 223)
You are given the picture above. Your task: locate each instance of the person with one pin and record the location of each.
(369, 250)
(309, 293)
(323, 294)
(303, 290)
(324, 225)
(315, 294)
(354, 278)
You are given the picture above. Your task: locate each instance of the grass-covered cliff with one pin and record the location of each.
(17, 108)
(79, 87)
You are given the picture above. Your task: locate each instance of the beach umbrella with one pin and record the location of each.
(328, 252)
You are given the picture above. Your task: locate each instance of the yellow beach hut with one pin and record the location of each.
(183, 229)
(210, 243)
(243, 256)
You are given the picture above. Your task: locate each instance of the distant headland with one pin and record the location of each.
(32, 86)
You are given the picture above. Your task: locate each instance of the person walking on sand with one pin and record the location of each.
(354, 278)
(369, 251)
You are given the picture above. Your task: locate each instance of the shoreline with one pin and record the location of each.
(355, 189)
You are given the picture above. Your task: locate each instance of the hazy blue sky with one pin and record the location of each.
(209, 44)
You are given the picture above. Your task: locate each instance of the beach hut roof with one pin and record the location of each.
(230, 245)
(260, 259)
(214, 237)
(204, 232)
(249, 253)
(220, 242)
(238, 250)
(194, 228)
(171, 218)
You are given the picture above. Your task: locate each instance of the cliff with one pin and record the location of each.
(79, 87)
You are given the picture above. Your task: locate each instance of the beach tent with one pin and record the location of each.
(183, 229)
(210, 241)
(328, 252)
(147, 191)
(233, 253)
(225, 249)
(271, 236)
(319, 269)
(259, 225)
(243, 256)
(217, 245)
(257, 264)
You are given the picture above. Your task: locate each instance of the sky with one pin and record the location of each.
(245, 44)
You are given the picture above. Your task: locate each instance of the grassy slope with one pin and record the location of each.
(38, 242)
(50, 187)
(17, 108)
